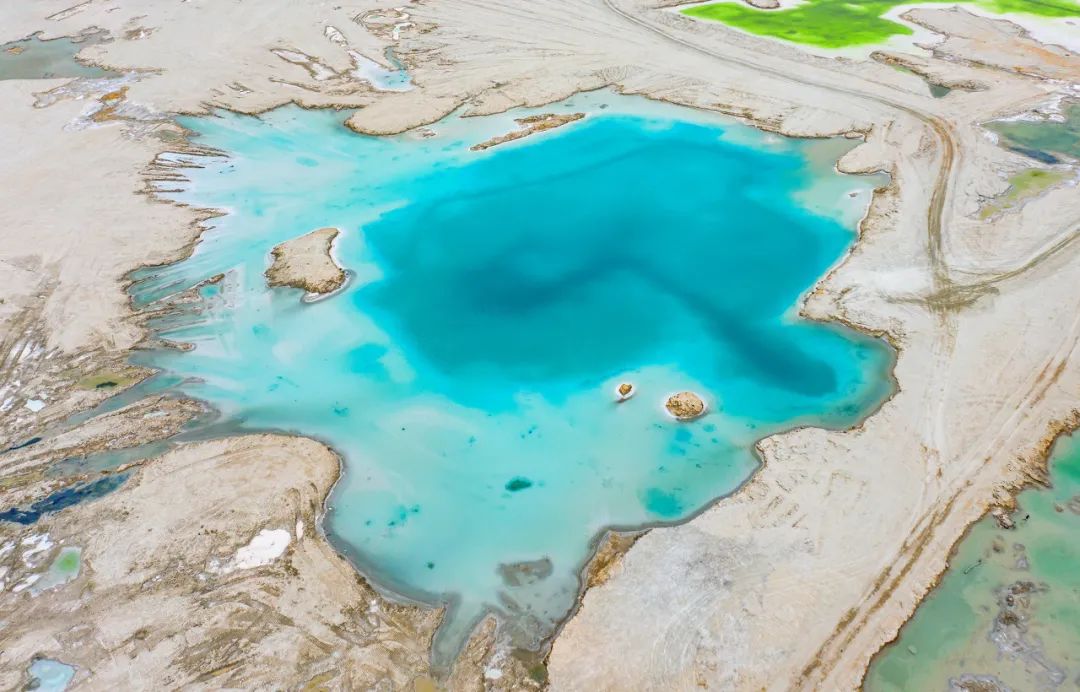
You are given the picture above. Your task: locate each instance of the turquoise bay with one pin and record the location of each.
(466, 372)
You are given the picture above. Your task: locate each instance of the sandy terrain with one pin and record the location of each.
(177, 589)
(792, 583)
(307, 263)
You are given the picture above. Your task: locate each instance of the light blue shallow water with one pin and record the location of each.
(50, 675)
(466, 372)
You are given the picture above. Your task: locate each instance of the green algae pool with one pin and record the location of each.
(1024, 186)
(842, 23)
(1007, 612)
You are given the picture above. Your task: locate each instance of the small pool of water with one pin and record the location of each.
(64, 567)
(383, 79)
(48, 675)
(467, 371)
(1007, 611)
(1047, 140)
(33, 58)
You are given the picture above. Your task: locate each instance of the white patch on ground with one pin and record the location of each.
(316, 68)
(35, 405)
(335, 36)
(26, 583)
(36, 546)
(267, 546)
(299, 529)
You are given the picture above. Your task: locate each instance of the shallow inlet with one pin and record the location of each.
(497, 298)
(1007, 611)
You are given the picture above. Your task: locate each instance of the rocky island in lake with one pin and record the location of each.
(307, 263)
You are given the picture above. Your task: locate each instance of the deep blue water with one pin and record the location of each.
(64, 498)
(497, 298)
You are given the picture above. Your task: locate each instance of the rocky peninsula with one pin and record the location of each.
(531, 125)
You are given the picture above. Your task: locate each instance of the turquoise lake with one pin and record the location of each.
(466, 373)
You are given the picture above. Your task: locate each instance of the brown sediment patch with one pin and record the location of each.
(609, 554)
(531, 125)
(110, 103)
(685, 405)
(526, 572)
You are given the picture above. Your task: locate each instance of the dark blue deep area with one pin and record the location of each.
(63, 499)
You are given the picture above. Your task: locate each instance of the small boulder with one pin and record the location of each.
(624, 391)
(685, 405)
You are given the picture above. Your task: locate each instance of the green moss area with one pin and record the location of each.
(1022, 187)
(106, 380)
(840, 24)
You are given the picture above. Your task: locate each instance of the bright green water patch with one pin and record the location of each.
(844, 23)
(1007, 611)
(63, 569)
(467, 370)
(1049, 140)
(33, 58)
(1024, 186)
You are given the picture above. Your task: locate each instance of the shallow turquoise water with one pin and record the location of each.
(50, 675)
(467, 371)
(1007, 611)
(383, 79)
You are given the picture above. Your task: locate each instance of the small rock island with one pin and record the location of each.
(306, 262)
(685, 405)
